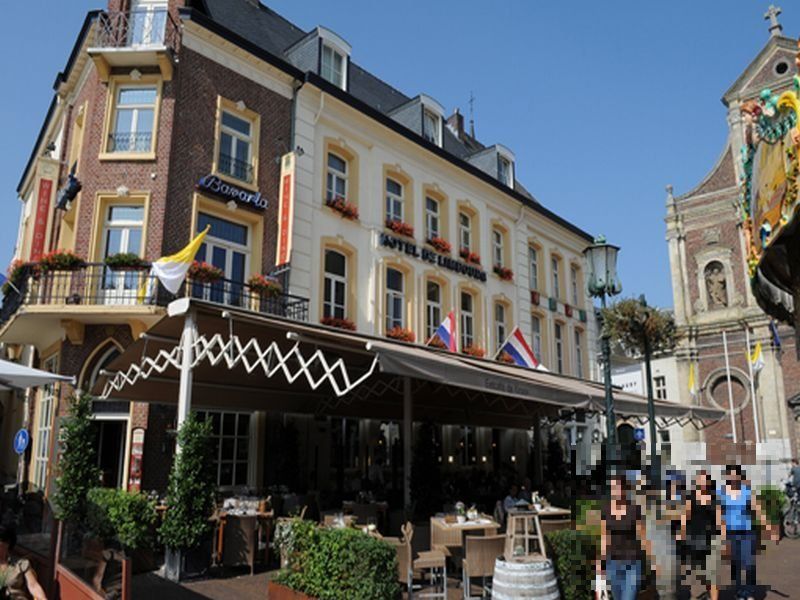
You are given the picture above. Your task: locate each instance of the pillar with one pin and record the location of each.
(187, 357)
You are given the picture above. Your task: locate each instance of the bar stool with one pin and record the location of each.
(524, 534)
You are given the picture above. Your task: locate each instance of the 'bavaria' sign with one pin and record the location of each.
(228, 191)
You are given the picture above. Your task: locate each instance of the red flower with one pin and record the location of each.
(400, 228)
(471, 257)
(202, 272)
(504, 273)
(265, 285)
(440, 245)
(474, 351)
(338, 323)
(401, 334)
(346, 209)
(436, 342)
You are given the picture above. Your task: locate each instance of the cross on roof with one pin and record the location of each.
(775, 28)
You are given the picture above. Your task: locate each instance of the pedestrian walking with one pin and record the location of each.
(738, 507)
(702, 529)
(623, 542)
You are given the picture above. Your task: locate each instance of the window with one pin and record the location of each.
(230, 433)
(336, 179)
(533, 261)
(332, 68)
(433, 308)
(467, 320)
(395, 299)
(334, 303)
(504, 170)
(235, 147)
(660, 387)
(573, 282)
(431, 218)
(554, 267)
(559, 331)
(430, 127)
(500, 329)
(147, 23)
(465, 230)
(394, 200)
(226, 247)
(122, 234)
(536, 336)
(578, 353)
(133, 119)
(44, 427)
(497, 247)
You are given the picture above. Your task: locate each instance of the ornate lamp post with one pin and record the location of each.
(602, 281)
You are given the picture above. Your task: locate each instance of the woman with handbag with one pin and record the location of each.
(703, 530)
(623, 543)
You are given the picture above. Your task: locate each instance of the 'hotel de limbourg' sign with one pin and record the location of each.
(432, 257)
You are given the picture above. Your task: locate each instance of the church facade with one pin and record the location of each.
(715, 310)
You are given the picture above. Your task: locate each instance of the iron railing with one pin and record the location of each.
(96, 284)
(141, 28)
(234, 167)
(128, 141)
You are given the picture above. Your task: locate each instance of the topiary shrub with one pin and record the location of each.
(337, 564)
(127, 517)
(574, 553)
(772, 500)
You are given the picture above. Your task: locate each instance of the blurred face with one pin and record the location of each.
(616, 490)
(733, 479)
(701, 481)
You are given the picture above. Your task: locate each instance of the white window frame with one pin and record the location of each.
(536, 336)
(337, 79)
(237, 136)
(237, 440)
(533, 264)
(500, 326)
(136, 109)
(432, 218)
(330, 308)
(465, 231)
(573, 274)
(44, 427)
(395, 208)
(467, 320)
(558, 336)
(504, 170)
(578, 341)
(555, 281)
(333, 175)
(431, 118)
(498, 247)
(433, 309)
(392, 297)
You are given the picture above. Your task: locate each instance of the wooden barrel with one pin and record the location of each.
(524, 579)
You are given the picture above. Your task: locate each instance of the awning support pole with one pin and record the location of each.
(408, 429)
(187, 357)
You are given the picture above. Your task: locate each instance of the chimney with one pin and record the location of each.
(456, 123)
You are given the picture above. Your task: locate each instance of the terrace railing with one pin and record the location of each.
(141, 28)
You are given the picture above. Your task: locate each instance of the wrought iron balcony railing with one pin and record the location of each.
(127, 141)
(96, 284)
(141, 28)
(234, 167)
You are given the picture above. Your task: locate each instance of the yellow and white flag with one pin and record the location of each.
(171, 270)
(692, 381)
(757, 358)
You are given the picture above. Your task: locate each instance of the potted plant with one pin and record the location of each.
(339, 323)
(17, 271)
(474, 351)
(347, 210)
(567, 310)
(126, 261)
(503, 273)
(186, 529)
(61, 260)
(400, 228)
(401, 334)
(469, 256)
(441, 245)
(265, 286)
(461, 512)
(535, 297)
(203, 272)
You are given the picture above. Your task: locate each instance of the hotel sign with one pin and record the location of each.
(228, 191)
(432, 257)
(285, 209)
(41, 218)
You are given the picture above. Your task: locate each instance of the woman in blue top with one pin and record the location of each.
(738, 506)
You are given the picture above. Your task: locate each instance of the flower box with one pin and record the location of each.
(338, 323)
(474, 351)
(535, 297)
(441, 245)
(503, 273)
(61, 260)
(17, 271)
(401, 334)
(471, 257)
(276, 591)
(436, 342)
(126, 261)
(347, 210)
(506, 358)
(568, 310)
(202, 272)
(400, 228)
(265, 286)
(582, 316)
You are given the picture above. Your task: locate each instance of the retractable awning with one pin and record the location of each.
(249, 361)
(20, 377)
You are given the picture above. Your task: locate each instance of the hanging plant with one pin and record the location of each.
(504, 273)
(339, 323)
(474, 351)
(126, 260)
(202, 272)
(471, 257)
(632, 324)
(265, 286)
(347, 210)
(441, 245)
(401, 334)
(400, 228)
(61, 260)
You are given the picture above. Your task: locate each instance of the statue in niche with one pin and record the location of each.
(716, 285)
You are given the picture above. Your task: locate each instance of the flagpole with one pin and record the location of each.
(752, 384)
(730, 388)
(503, 345)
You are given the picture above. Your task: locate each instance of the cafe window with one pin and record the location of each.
(335, 286)
(432, 215)
(133, 119)
(44, 427)
(533, 262)
(536, 336)
(559, 339)
(395, 299)
(467, 320)
(236, 143)
(465, 231)
(433, 308)
(230, 435)
(394, 200)
(500, 326)
(336, 178)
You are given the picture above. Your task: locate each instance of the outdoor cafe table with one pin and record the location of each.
(446, 535)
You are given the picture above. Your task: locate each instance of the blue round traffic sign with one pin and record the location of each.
(21, 441)
(638, 434)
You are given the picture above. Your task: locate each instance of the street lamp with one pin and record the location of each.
(602, 281)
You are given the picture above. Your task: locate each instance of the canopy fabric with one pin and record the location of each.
(16, 376)
(316, 369)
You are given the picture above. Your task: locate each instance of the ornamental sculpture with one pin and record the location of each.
(716, 286)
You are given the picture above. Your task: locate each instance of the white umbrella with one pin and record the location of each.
(17, 376)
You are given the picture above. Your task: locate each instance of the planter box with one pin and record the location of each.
(276, 591)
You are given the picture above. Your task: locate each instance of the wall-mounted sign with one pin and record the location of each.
(285, 210)
(21, 441)
(136, 460)
(638, 434)
(41, 219)
(228, 191)
(432, 257)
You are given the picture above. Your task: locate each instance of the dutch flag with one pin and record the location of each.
(447, 332)
(518, 349)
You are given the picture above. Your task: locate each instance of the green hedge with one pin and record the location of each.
(772, 500)
(573, 554)
(338, 564)
(128, 517)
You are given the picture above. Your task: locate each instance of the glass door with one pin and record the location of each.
(148, 22)
(122, 234)
(225, 247)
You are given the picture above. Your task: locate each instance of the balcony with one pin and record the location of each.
(233, 167)
(135, 39)
(55, 303)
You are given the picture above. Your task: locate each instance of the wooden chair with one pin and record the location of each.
(405, 571)
(435, 563)
(524, 535)
(480, 553)
(442, 539)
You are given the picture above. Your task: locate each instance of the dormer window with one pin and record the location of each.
(504, 171)
(332, 67)
(430, 127)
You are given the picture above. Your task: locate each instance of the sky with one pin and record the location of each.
(603, 103)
